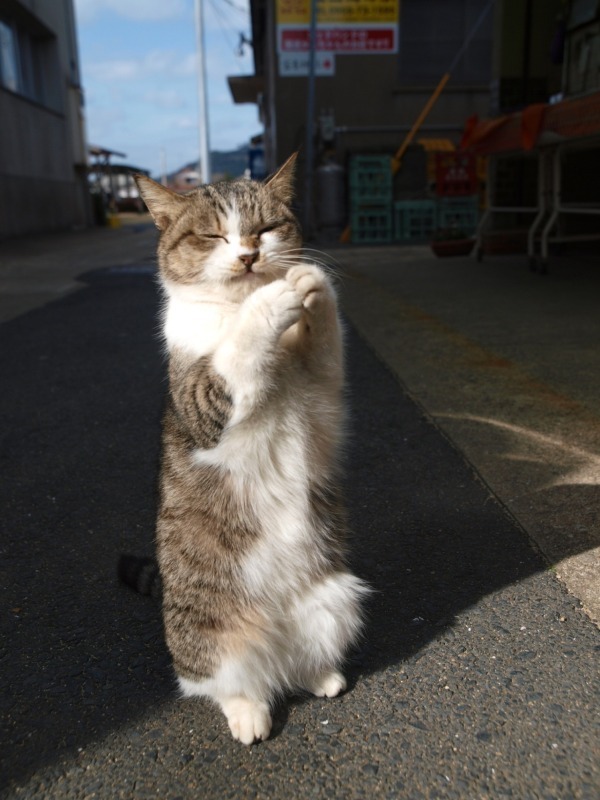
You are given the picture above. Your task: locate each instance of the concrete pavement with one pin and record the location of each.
(35, 270)
(478, 676)
(507, 364)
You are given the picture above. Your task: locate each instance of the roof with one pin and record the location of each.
(94, 150)
(246, 88)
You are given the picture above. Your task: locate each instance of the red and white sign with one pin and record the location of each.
(351, 39)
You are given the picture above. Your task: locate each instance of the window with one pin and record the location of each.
(9, 65)
(582, 12)
(29, 63)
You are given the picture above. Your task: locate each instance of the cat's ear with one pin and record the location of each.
(281, 183)
(163, 204)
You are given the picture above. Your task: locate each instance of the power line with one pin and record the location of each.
(470, 36)
(232, 46)
(231, 4)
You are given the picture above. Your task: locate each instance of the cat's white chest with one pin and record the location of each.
(193, 326)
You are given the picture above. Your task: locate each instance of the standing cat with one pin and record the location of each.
(257, 598)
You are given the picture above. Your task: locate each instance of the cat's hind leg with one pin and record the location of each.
(242, 691)
(329, 684)
(326, 621)
(249, 719)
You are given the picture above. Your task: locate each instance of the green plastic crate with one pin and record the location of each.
(371, 224)
(370, 163)
(459, 212)
(414, 220)
(370, 180)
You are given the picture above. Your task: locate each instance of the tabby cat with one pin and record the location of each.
(257, 598)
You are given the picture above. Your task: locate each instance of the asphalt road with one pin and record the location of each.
(478, 676)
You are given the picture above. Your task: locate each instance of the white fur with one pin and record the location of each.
(193, 324)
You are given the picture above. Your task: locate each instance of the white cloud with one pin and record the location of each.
(186, 123)
(187, 66)
(115, 70)
(167, 63)
(165, 99)
(140, 10)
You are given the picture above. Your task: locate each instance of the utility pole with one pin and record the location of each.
(205, 170)
(163, 166)
(310, 120)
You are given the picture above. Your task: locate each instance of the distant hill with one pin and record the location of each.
(224, 164)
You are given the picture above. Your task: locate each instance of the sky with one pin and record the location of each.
(138, 63)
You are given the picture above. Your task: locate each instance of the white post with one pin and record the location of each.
(310, 120)
(163, 166)
(205, 170)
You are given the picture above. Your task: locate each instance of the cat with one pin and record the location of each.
(257, 599)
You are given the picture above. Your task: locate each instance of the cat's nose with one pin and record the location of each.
(248, 259)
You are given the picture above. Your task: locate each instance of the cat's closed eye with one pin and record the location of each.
(268, 228)
(198, 239)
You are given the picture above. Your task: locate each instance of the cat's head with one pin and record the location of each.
(233, 236)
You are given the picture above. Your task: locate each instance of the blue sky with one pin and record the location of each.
(139, 72)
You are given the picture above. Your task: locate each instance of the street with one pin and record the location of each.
(478, 675)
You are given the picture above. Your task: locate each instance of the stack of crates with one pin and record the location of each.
(371, 199)
(414, 220)
(459, 212)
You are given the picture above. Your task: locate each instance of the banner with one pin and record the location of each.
(343, 26)
(297, 12)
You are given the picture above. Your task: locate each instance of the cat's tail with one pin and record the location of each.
(140, 574)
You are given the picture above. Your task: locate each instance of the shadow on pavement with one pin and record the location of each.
(81, 410)
(429, 536)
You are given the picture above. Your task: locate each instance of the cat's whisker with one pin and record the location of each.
(327, 262)
(319, 257)
(334, 272)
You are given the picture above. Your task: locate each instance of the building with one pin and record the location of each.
(376, 65)
(43, 170)
(112, 186)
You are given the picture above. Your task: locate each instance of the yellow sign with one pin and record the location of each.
(356, 12)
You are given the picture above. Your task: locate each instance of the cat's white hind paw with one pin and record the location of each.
(248, 720)
(330, 684)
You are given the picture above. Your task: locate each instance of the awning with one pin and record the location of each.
(537, 125)
(246, 88)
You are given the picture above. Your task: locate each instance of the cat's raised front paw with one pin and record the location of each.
(311, 284)
(330, 684)
(281, 304)
(248, 720)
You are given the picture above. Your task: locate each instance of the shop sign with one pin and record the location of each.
(343, 26)
(296, 64)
